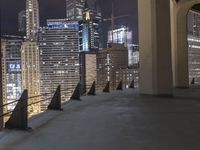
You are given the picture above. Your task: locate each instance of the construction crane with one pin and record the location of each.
(113, 17)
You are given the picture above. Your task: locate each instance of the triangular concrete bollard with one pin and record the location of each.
(92, 89)
(120, 85)
(193, 81)
(55, 103)
(19, 117)
(77, 92)
(132, 85)
(107, 87)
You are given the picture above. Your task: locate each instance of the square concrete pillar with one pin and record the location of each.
(179, 35)
(1, 119)
(155, 47)
(1, 95)
(1, 90)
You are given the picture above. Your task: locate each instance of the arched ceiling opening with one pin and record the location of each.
(196, 7)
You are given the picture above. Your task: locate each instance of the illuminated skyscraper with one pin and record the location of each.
(32, 19)
(90, 29)
(11, 69)
(194, 46)
(74, 9)
(59, 55)
(30, 56)
(31, 73)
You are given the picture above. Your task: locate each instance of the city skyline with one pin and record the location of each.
(9, 16)
(143, 81)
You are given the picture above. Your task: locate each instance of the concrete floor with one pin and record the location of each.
(122, 120)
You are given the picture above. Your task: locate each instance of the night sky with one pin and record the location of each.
(56, 9)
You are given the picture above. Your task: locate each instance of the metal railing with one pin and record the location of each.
(19, 116)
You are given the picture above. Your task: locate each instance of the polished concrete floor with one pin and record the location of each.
(122, 120)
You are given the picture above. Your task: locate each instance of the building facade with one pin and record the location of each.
(88, 70)
(31, 73)
(74, 9)
(194, 23)
(134, 56)
(108, 62)
(123, 35)
(127, 76)
(90, 37)
(11, 70)
(59, 56)
(194, 47)
(194, 58)
(30, 57)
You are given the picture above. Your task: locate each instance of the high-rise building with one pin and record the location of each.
(90, 29)
(22, 22)
(88, 70)
(31, 73)
(30, 56)
(123, 35)
(59, 56)
(32, 19)
(194, 23)
(194, 58)
(194, 46)
(110, 60)
(3, 77)
(11, 70)
(74, 9)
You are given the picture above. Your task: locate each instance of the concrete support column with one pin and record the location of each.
(1, 95)
(179, 44)
(1, 112)
(155, 47)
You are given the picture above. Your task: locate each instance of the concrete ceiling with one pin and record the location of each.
(196, 7)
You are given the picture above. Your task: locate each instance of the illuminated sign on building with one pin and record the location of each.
(13, 67)
(63, 26)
